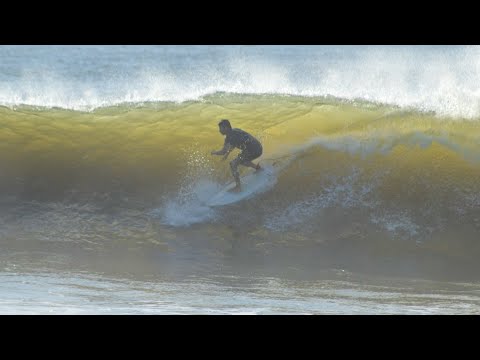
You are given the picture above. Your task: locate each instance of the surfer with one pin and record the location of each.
(237, 138)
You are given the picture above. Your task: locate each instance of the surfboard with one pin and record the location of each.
(252, 184)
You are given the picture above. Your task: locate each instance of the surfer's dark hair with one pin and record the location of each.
(225, 122)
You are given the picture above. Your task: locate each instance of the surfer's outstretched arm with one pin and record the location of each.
(227, 148)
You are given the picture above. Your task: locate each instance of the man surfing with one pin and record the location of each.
(237, 138)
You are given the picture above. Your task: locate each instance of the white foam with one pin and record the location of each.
(399, 224)
(343, 192)
(188, 206)
(377, 143)
(442, 79)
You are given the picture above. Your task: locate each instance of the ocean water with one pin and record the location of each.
(105, 171)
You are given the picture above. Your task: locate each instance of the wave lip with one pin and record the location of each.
(442, 79)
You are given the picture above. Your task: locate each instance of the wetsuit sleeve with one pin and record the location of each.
(227, 147)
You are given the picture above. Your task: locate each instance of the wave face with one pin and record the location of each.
(378, 178)
(375, 150)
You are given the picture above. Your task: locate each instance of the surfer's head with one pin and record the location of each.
(224, 126)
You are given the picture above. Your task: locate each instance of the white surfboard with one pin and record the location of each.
(252, 184)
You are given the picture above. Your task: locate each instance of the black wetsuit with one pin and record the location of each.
(251, 147)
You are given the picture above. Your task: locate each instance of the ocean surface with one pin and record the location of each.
(105, 172)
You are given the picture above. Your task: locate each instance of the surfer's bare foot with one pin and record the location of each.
(258, 168)
(236, 189)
